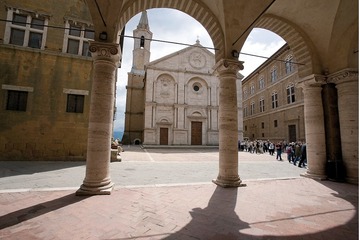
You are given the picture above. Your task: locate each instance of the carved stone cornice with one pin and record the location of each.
(313, 80)
(228, 67)
(343, 76)
(105, 51)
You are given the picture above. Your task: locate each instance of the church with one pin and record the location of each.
(173, 100)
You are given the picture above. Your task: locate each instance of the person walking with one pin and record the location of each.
(303, 156)
(297, 152)
(278, 148)
(271, 148)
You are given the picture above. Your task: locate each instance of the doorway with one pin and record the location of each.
(292, 133)
(164, 136)
(196, 133)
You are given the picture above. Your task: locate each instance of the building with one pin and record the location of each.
(273, 106)
(45, 79)
(323, 35)
(173, 100)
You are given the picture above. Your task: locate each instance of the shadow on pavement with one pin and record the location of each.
(220, 221)
(37, 210)
(14, 168)
(217, 221)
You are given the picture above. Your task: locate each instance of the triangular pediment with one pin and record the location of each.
(192, 58)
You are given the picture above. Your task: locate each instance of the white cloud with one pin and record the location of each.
(175, 26)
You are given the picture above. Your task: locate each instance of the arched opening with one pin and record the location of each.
(167, 39)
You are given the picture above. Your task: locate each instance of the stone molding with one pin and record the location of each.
(105, 51)
(343, 76)
(313, 80)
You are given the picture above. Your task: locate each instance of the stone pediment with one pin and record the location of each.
(193, 58)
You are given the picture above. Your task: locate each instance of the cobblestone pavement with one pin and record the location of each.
(167, 194)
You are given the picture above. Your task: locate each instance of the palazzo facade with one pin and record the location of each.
(273, 105)
(45, 80)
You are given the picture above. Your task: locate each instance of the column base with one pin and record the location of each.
(93, 190)
(228, 183)
(314, 176)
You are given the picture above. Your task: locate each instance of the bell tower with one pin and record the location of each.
(135, 89)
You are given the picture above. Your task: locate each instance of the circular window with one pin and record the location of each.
(196, 87)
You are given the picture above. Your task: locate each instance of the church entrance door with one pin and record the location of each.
(196, 133)
(164, 136)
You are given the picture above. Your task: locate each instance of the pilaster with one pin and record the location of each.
(97, 180)
(227, 70)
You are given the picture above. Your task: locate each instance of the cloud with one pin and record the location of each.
(175, 26)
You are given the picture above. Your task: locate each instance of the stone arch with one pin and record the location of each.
(193, 8)
(197, 79)
(165, 85)
(164, 120)
(197, 113)
(165, 76)
(301, 47)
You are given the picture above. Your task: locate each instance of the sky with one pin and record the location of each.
(175, 26)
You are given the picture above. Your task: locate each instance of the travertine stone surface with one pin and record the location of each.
(227, 70)
(97, 180)
(314, 126)
(347, 84)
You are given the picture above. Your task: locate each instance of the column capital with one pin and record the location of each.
(105, 51)
(343, 76)
(228, 66)
(313, 80)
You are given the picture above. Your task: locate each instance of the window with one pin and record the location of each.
(196, 87)
(273, 74)
(274, 100)
(245, 128)
(252, 108)
(262, 105)
(289, 64)
(77, 38)
(262, 83)
(75, 103)
(275, 123)
(245, 93)
(16, 100)
(252, 89)
(290, 90)
(245, 111)
(25, 29)
(262, 125)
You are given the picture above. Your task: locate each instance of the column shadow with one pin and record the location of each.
(217, 221)
(37, 210)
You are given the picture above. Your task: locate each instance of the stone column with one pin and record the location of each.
(314, 126)
(227, 70)
(348, 104)
(97, 180)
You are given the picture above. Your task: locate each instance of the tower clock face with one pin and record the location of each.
(197, 60)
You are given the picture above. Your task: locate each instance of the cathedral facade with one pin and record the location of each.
(180, 96)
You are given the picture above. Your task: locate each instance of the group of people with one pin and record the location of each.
(295, 151)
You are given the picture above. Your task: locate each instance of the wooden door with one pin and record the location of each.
(196, 133)
(292, 133)
(164, 136)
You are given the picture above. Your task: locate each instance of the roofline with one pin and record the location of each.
(281, 50)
